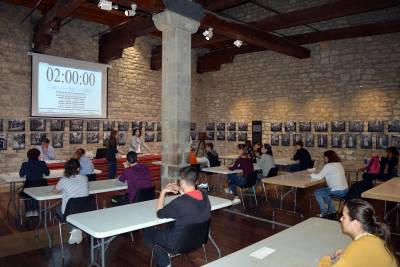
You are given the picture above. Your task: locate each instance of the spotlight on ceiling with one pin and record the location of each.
(238, 43)
(106, 5)
(131, 12)
(208, 33)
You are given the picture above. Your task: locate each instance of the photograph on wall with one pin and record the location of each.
(221, 136)
(276, 127)
(290, 126)
(193, 136)
(231, 136)
(57, 125)
(37, 125)
(305, 126)
(122, 138)
(220, 126)
(18, 141)
(242, 136)
(395, 141)
(351, 141)
(136, 125)
(336, 140)
(193, 126)
(309, 140)
(1, 125)
(274, 139)
(210, 136)
(210, 126)
(242, 126)
(92, 138)
(376, 126)
(382, 141)
(285, 139)
(338, 126)
(57, 140)
(149, 126)
(76, 138)
(3, 141)
(322, 140)
(36, 138)
(108, 125)
(394, 126)
(159, 139)
(106, 136)
(76, 125)
(123, 126)
(93, 125)
(149, 137)
(16, 126)
(321, 126)
(356, 126)
(296, 138)
(231, 126)
(366, 141)
(158, 126)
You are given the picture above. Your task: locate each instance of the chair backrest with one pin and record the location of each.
(144, 194)
(192, 237)
(251, 180)
(79, 205)
(273, 172)
(196, 167)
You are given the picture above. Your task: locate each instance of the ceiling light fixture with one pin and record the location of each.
(106, 5)
(208, 33)
(131, 12)
(238, 43)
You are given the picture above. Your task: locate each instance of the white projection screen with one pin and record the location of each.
(68, 88)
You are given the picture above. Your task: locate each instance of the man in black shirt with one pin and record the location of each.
(303, 156)
(193, 206)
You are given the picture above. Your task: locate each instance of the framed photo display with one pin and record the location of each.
(394, 126)
(366, 141)
(18, 141)
(220, 126)
(231, 126)
(338, 126)
(336, 140)
(322, 140)
(356, 126)
(210, 126)
(106, 136)
(37, 125)
(93, 125)
(76, 125)
(159, 137)
(76, 138)
(123, 126)
(242, 136)
(242, 126)
(285, 139)
(210, 136)
(321, 126)
(351, 141)
(382, 141)
(290, 126)
(3, 141)
(57, 140)
(309, 140)
(108, 125)
(57, 125)
(136, 125)
(122, 138)
(16, 125)
(297, 138)
(36, 138)
(1, 125)
(193, 126)
(221, 136)
(305, 126)
(274, 139)
(376, 126)
(193, 136)
(149, 137)
(149, 126)
(396, 141)
(92, 137)
(231, 136)
(276, 127)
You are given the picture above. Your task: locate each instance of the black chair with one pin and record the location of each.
(145, 194)
(272, 172)
(341, 201)
(192, 237)
(101, 153)
(91, 177)
(251, 182)
(74, 206)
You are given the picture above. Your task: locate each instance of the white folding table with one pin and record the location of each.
(106, 224)
(284, 162)
(220, 170)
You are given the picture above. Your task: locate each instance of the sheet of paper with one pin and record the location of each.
(262, 253)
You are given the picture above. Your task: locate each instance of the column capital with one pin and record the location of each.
(168, 20)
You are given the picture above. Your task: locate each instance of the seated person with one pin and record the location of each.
(86, 164)
(303, 156)
(72, 185)
(193, 206)
(46, 150)
(371, 246)
(256, 152)
(388, 167)
(34, 170)
(243, 163)
(371, 168)
(212, 157)
(266, 162)
(136, 175)
(335, 177)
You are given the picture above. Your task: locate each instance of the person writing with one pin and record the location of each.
(137, 144)
(371, 246)
(46, 150)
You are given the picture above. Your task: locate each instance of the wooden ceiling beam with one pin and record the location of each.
(219, 5)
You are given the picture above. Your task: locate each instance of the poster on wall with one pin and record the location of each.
(3, 141)
(338, 126)
(276, 127)
(285, 139)
(322, 140)
(210, 126)
(274, 139)
(123, 126)
(108, 125)
(220, 136)
(242, 136)
(1, 125)
(305, 126)
(36, 138)
(396, 141)
(336, 140)
(122, 138)
(158, 126)
(57, 140)
(297, 138)
(351, 141)
(376, 126)
(193, 126)
(149, 137)
(220, 126)
(149, 126)
(242, 126)
(356, 126)
(92, 138)
(231, 126)
(136, 125)
(57, 125)
(159, 137)
(76, 138)
(382, 141)
(76, 125)
(321, 126)
(18, 141)
(193, 136)
(366, 141)
(210, 136)
(231, 136)
(394, 126)
(15, 125)
(106, 136)
(37, 125)
(309, 140)
(290, 126)
(93, 125)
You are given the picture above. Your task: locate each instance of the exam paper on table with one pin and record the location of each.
(262, 253)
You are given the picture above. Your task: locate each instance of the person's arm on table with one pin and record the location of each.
(321, 174)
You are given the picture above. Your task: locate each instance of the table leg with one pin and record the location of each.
(91, 249)
(45, 222)
(215, 245)
(11, 200)
(40, 220)
(295, 199)
(103, 261)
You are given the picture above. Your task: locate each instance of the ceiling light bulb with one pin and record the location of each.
(238, 43)
(105, 5)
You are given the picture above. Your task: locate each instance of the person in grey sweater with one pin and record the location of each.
(266, 162)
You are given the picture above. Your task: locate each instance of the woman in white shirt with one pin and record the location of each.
(335, 177)
(137, 143)
(266, 161)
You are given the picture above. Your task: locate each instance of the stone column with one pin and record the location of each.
(176, 91)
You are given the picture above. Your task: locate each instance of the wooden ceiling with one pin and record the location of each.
(260, 35)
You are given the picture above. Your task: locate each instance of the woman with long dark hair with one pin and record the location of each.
(371, 246)
(111, 154)
(266, 161)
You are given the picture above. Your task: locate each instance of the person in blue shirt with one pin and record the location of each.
(87, 167)
(34, 170)
(46, 150)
